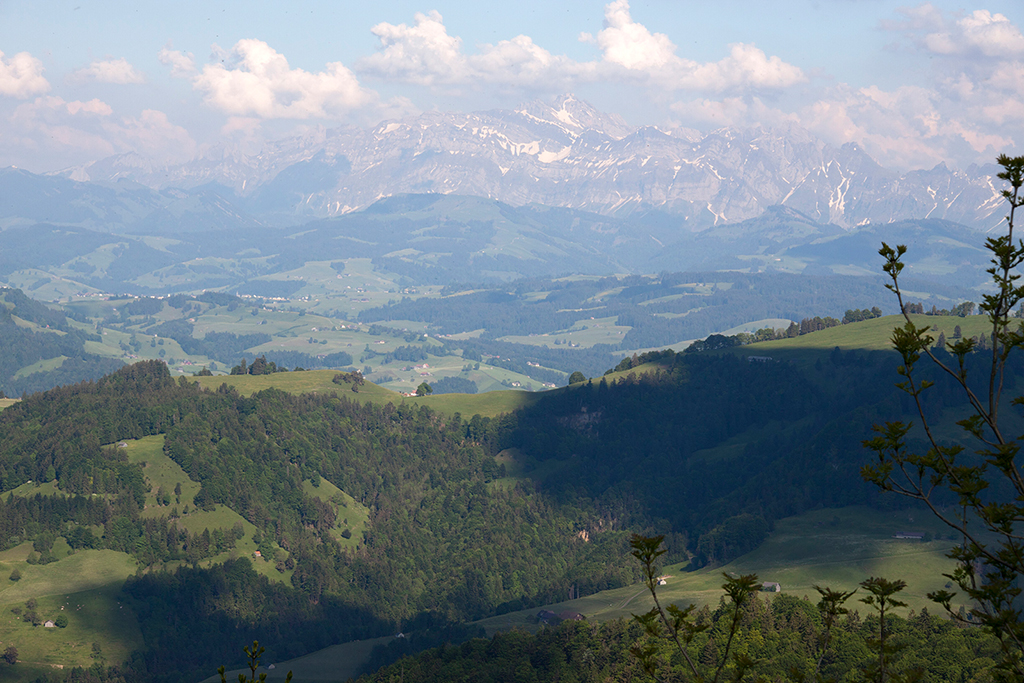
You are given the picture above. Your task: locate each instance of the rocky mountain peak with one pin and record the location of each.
(565, 153)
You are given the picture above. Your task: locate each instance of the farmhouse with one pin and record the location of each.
(771, 587)
(547, 617)
(570, 616)
(49, 624)
(910, 535)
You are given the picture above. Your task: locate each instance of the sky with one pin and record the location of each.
(914, 84)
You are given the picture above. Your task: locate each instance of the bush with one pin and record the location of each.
(15, 575)
(61, 621)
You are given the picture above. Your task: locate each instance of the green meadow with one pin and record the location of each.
(161, 473)
(404, 377)
(40, 366)
(351, 514)
(831, 547)
(488, 404)
(82, 586)
(309, 381)
(94, 616)
(335, 663)
(584, 333)
(871, 335)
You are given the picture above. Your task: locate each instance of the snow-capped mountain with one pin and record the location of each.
(568, 154)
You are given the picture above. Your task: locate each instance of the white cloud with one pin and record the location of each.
(981, 32)
(423, 54)
(49, 125)
(117, 71)
(93, 106)
(521, 62)
(908, 127)
(152, 134)
(21, 76)
(629, 44)
(247, 126)
(1008, 77)
(967, 110)
(183, 65)
(68, 132)
(426, 54)
(924, 17)
(256, 80)
(737, 112)
(746, 66)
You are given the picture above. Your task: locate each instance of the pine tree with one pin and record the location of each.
(709, 654)
(990, 560)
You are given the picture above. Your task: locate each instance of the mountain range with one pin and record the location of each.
(562, 154)
(436, 239)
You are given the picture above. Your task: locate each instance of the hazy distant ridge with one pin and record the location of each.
(567, 154)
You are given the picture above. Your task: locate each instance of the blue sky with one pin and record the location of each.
(916, 84)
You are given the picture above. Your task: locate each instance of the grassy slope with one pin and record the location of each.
(802, 551)
(868, 334)
(86, 586)
(4, 402)
(351, 514)
(311, 381)
(40, 366)
(837, 548)
(161, 471)
(488, 404)
(585, 333)
(319, 381)
(335, 663)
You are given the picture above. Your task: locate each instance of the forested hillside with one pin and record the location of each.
(38, 338)
(465, 518)
(428, 484)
